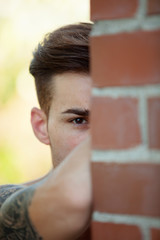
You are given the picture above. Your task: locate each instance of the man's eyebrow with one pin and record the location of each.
(77, 111)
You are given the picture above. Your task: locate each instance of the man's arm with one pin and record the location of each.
(58, 207)
(14, 218)
(8, 190)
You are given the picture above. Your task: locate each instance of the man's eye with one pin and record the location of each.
(79, 121)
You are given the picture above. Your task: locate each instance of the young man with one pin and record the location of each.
(57, 207)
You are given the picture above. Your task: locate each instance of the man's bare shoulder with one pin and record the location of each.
(7, 190)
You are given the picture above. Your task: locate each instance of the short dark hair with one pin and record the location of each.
(64, 50)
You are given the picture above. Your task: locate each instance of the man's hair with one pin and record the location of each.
(64, 50)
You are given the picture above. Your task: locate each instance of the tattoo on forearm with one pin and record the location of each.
(15, 223)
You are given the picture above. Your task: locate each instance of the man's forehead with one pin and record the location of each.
(71, 91)
(74, 78)
(71, 84)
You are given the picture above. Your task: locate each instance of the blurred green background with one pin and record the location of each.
(23, 23)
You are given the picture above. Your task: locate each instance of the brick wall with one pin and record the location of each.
(125, 119)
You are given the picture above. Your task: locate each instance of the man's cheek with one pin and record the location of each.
(73, 141)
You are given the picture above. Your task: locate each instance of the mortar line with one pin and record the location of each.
(142, 115)
(107, 27)
(145, 233)
(142, 10)
(137, 154)
(130, 91)
(126, 219)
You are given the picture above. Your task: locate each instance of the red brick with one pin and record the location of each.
(126, 59)
(115, 123)
(155, 233)
(111, 231)
(113, 9)
(127, 188)
(154, 122)
(153, 7)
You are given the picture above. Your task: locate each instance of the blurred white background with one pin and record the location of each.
(23, 23)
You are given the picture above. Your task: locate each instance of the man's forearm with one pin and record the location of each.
(57, 207)
(69, 206)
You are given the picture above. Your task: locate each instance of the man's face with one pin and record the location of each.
(68, 122)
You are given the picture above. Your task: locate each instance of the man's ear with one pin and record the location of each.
(39, 125)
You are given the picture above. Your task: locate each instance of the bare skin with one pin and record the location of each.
(39, 212)
(57, 206)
